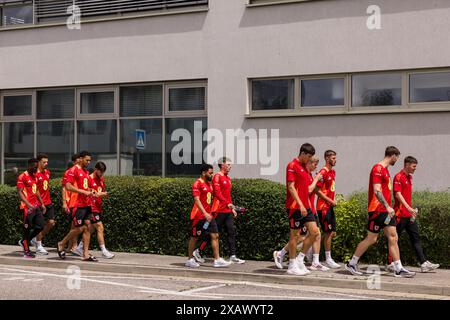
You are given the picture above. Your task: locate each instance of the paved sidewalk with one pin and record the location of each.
(434, 283)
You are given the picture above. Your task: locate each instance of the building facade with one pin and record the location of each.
(340, 74)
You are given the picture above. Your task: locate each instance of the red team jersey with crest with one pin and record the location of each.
(312, 196)
(71, 197)
(204, 190)
(83, 182)
(29, 184)
(222, 193)
(43, 179)
(327, 186)
(97, 184)
(297, 173)
(380, 175)
(403, 184)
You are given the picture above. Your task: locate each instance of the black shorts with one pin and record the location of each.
(50, 212)
(81, 215)
(96, 217)
(197, 228)
(297, 221)
(376, 221)
(33, 219)
(327, 220)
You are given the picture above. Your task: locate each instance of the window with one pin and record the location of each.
(134, 161)
(18, 148)
(184, 156)
(187, 99)
(56, 139)
(101, 102)
(17, 14)
(323, 92)
(377, 90)
(20, 105)
(141, 101)
(429, 87)
(55, 104)
(100, 138)
(272, 94)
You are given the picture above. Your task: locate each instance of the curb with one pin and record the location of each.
(356, 283)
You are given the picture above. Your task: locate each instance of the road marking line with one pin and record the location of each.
(153, 290)
(205, 288)
(33, 280)
(13, 279)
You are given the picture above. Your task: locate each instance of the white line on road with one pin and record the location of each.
(14, 279)
(153, 290)
(205, 288)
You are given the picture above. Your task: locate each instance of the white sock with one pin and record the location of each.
(354, 261)
(282, 252)
(398, 265)
(103, 248)
(316, 258)
(291, 263)
(301, 258)
(39, 243)
(328, 255)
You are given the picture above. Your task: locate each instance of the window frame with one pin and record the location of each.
(97, 116)
(145, 84)
(324, 108)
(422, 105)
(23, 3)
(183, 85)
(250, 94)
(16, 93)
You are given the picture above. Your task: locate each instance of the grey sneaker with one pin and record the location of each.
(40, 250)
(108, 255)
(428, 266)
(233, 259)
(403, 273)
(353, 269)
(198, 257)
(278, 260)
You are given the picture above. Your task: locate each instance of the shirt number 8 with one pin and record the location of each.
(45, 185)
(85, 183)
(208, 198)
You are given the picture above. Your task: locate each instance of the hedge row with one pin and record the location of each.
(151, 215)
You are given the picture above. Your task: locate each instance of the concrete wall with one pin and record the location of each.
(232, 43)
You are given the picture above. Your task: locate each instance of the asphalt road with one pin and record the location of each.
(17, 282)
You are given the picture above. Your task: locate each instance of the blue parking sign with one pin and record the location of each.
(140, 139)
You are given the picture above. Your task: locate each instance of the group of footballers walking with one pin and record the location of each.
(82, 195)
(312, 223)
(213, 211)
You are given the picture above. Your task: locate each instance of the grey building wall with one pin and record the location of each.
(231, 43)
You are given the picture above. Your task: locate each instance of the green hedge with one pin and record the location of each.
(151, 215)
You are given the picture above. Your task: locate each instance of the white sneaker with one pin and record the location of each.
(390, 268)
(20, 243)
(353, 269)
(34, 243)
(78, 252)
(198, 257)
(332, 265)
(221, 263)
(278, 260)
(41, 250)
(296, 271)
(191, 263)
(318, 267)
(108, 255)
(233, 259)
(428, 266)
(302, 266)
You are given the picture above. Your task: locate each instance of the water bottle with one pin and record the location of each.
(413, 218)
(206, 225)
(388, 219)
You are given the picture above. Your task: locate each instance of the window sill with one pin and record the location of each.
(273, 2)
(108, 18)
(359, 111)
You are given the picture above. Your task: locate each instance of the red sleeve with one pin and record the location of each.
(321, 181)
(398, 183)
(196, 189)
(217, 190)
(71, 176)
(377, 174)
(20, 184)
(290, 173)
